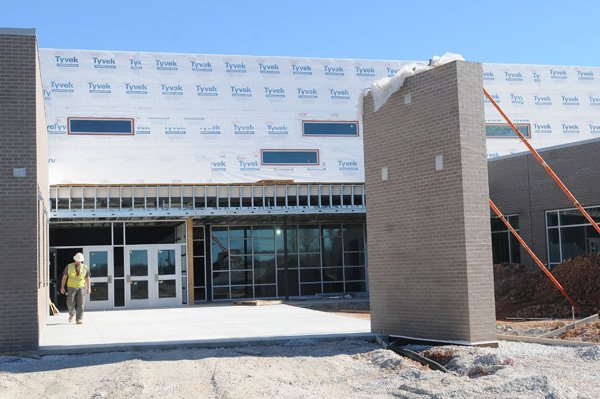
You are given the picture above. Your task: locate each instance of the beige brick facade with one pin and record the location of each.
(429, 245)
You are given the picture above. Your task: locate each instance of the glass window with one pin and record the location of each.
(357, 286)
(242, 291)
(323, 128)
(264, 269)
(310, 289)
(291, 285)
(139, 289)
(263, 232)
(109, 126)
(353, 238)
(504, 130)
(310, 260)
(265, 291)
(332, 251)
(505, 247)
(292, 239)
(572, 216)
(221, 278)
(332, 230)
(290, 157)
(292, 261)
(333, 274)
(219, 250)
(574, 241)
(240, 232)
(264, 246)
(309, 231)
(241, 278)
(554, 245)
(99, 291)
(309, 244)
(220, 293)
(240, 262)
(354, 259)
(119, 292)
(98, 263)
(515, 249)
(167, 288)
(310, 275)
(355, 273)
(166, 261)
(240, 247)
(138, 262)
(500, 248)
(552, 219)
(199, 272)
(333, 287)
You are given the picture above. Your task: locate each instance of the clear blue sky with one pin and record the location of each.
(504, 31)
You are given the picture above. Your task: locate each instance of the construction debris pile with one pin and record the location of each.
(523, 291)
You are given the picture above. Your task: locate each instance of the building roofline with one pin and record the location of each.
(545, 149)
(17, 31)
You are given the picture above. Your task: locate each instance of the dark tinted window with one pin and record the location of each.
(101, 126)
(329, 128)
(290, 157)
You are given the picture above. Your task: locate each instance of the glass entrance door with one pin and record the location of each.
(167, 290)
(99, 261)
(153, 275)
(137, 277)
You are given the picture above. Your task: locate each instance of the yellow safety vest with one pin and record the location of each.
(74, 280)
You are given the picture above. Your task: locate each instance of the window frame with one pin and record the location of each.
(528, 135)
(330, 122)
(507, 231)
(82, 118)
(558, 227)
(315, 150)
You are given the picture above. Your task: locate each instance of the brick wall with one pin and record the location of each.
(429, 243)
(23, 285)
(519, 185)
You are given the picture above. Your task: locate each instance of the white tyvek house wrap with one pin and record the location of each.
(198, 122)
(187, 134)
(561, 103)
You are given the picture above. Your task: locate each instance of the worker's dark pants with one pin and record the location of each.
(76, 302)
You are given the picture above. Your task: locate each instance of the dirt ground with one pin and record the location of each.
(526, 291)
(308, 369)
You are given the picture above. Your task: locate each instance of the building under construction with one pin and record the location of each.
(187, 178)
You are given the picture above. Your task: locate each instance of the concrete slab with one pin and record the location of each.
(203, 326)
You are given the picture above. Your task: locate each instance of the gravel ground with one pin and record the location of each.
(308, 369)
(528, 328)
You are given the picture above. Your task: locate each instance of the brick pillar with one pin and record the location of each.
(23, 193)
(428, 224)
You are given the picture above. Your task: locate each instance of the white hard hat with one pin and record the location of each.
(78, 257)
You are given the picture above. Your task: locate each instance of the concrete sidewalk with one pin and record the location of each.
(203, 326)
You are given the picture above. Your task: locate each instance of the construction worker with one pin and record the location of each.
(77, 278)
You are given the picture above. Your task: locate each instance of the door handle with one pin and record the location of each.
(128, 279)
(156, 277)
(109, 279)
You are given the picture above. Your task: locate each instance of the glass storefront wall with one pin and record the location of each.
(250, 261)
(569, 234)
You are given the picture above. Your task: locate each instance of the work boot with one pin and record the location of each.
(79, 321)
(70, 318)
